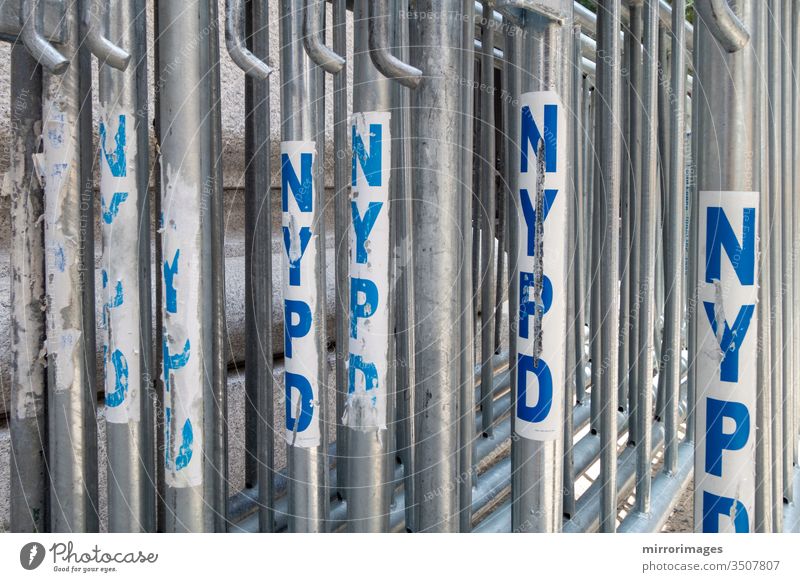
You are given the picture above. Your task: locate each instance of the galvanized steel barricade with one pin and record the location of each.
(532, 149)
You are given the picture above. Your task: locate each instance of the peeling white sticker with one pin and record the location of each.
(541, 268)
(367, 365)
(120, 274)
(61, 247)
(727, 322)
(300, 241)
(182, 342)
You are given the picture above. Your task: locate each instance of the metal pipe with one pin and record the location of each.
(795, 50)
(69, 258)
(727, 221)
(467, 430)
(302, 135)
(105, 50)
(188, 279)
(777, 346)
(674, 219)
(259, 383)
(436, 249)
(646, 242)
(313, 37)
(341, 220)
(370, 386)
(389, 65)
(236, 45)
(606, 257)
(488, 214)
(722, 22)
(404, 336)
(540, 260)
(788, 195)
(40, 49)
(28, 413)
(125, 266)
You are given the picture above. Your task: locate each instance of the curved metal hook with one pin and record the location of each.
(234, 42)
(726, 27)
(105, 50)
(388, 64)
(313, 42)
(41, 50)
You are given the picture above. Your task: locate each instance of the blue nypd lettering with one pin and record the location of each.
(725, 454)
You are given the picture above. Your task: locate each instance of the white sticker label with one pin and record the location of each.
(726, 319)
(182, 342)
(61, 247)
(367, 365)
(120, 276)
(299, 233)
(541, 268)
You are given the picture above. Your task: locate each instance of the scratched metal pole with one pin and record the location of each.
(187, 345)
(726, 71)
(487, 214)
(635, 139)
(626, 220)
(537, 445)
(260, 431)
(404, 313)
(467, 429)
(763, 486)
(664, 158)
(646, 243)
(28, 411)
(366, 410)
(605, 317)
(674, 221)
(125, 222)
(437, 238)
(69, 264)
(774, 91)
(788, 196)
(795, 50)
(302, 112)
(341, 220)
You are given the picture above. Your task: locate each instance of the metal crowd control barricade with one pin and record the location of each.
(548, 315)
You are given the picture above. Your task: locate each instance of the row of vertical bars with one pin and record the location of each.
(633, 341)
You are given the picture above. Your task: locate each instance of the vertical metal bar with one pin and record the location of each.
(258, 271)
(341, 219)
(437, 240)
(579, 98)
(646, 243)
(606, 257)
(125, 267)
(775, 50)
(302, 108)
(763, 485)
(626, 220)
(635, 140)
(543, 209)
(727, 277)
(467, 428)
(28, 412)
(674, 219)
(189, 360)
(788, 195)
(370, 386)
(404, 314)
(487, 213)
(69, 265)
(795, 50)
(691, 271)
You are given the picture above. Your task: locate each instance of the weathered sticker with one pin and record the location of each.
(367, 365)
(62, 247)
(541, 268)
(301, 348)
(182, 342)
(120, 273)
(726, 320)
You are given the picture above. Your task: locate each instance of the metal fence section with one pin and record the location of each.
(564, 280)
